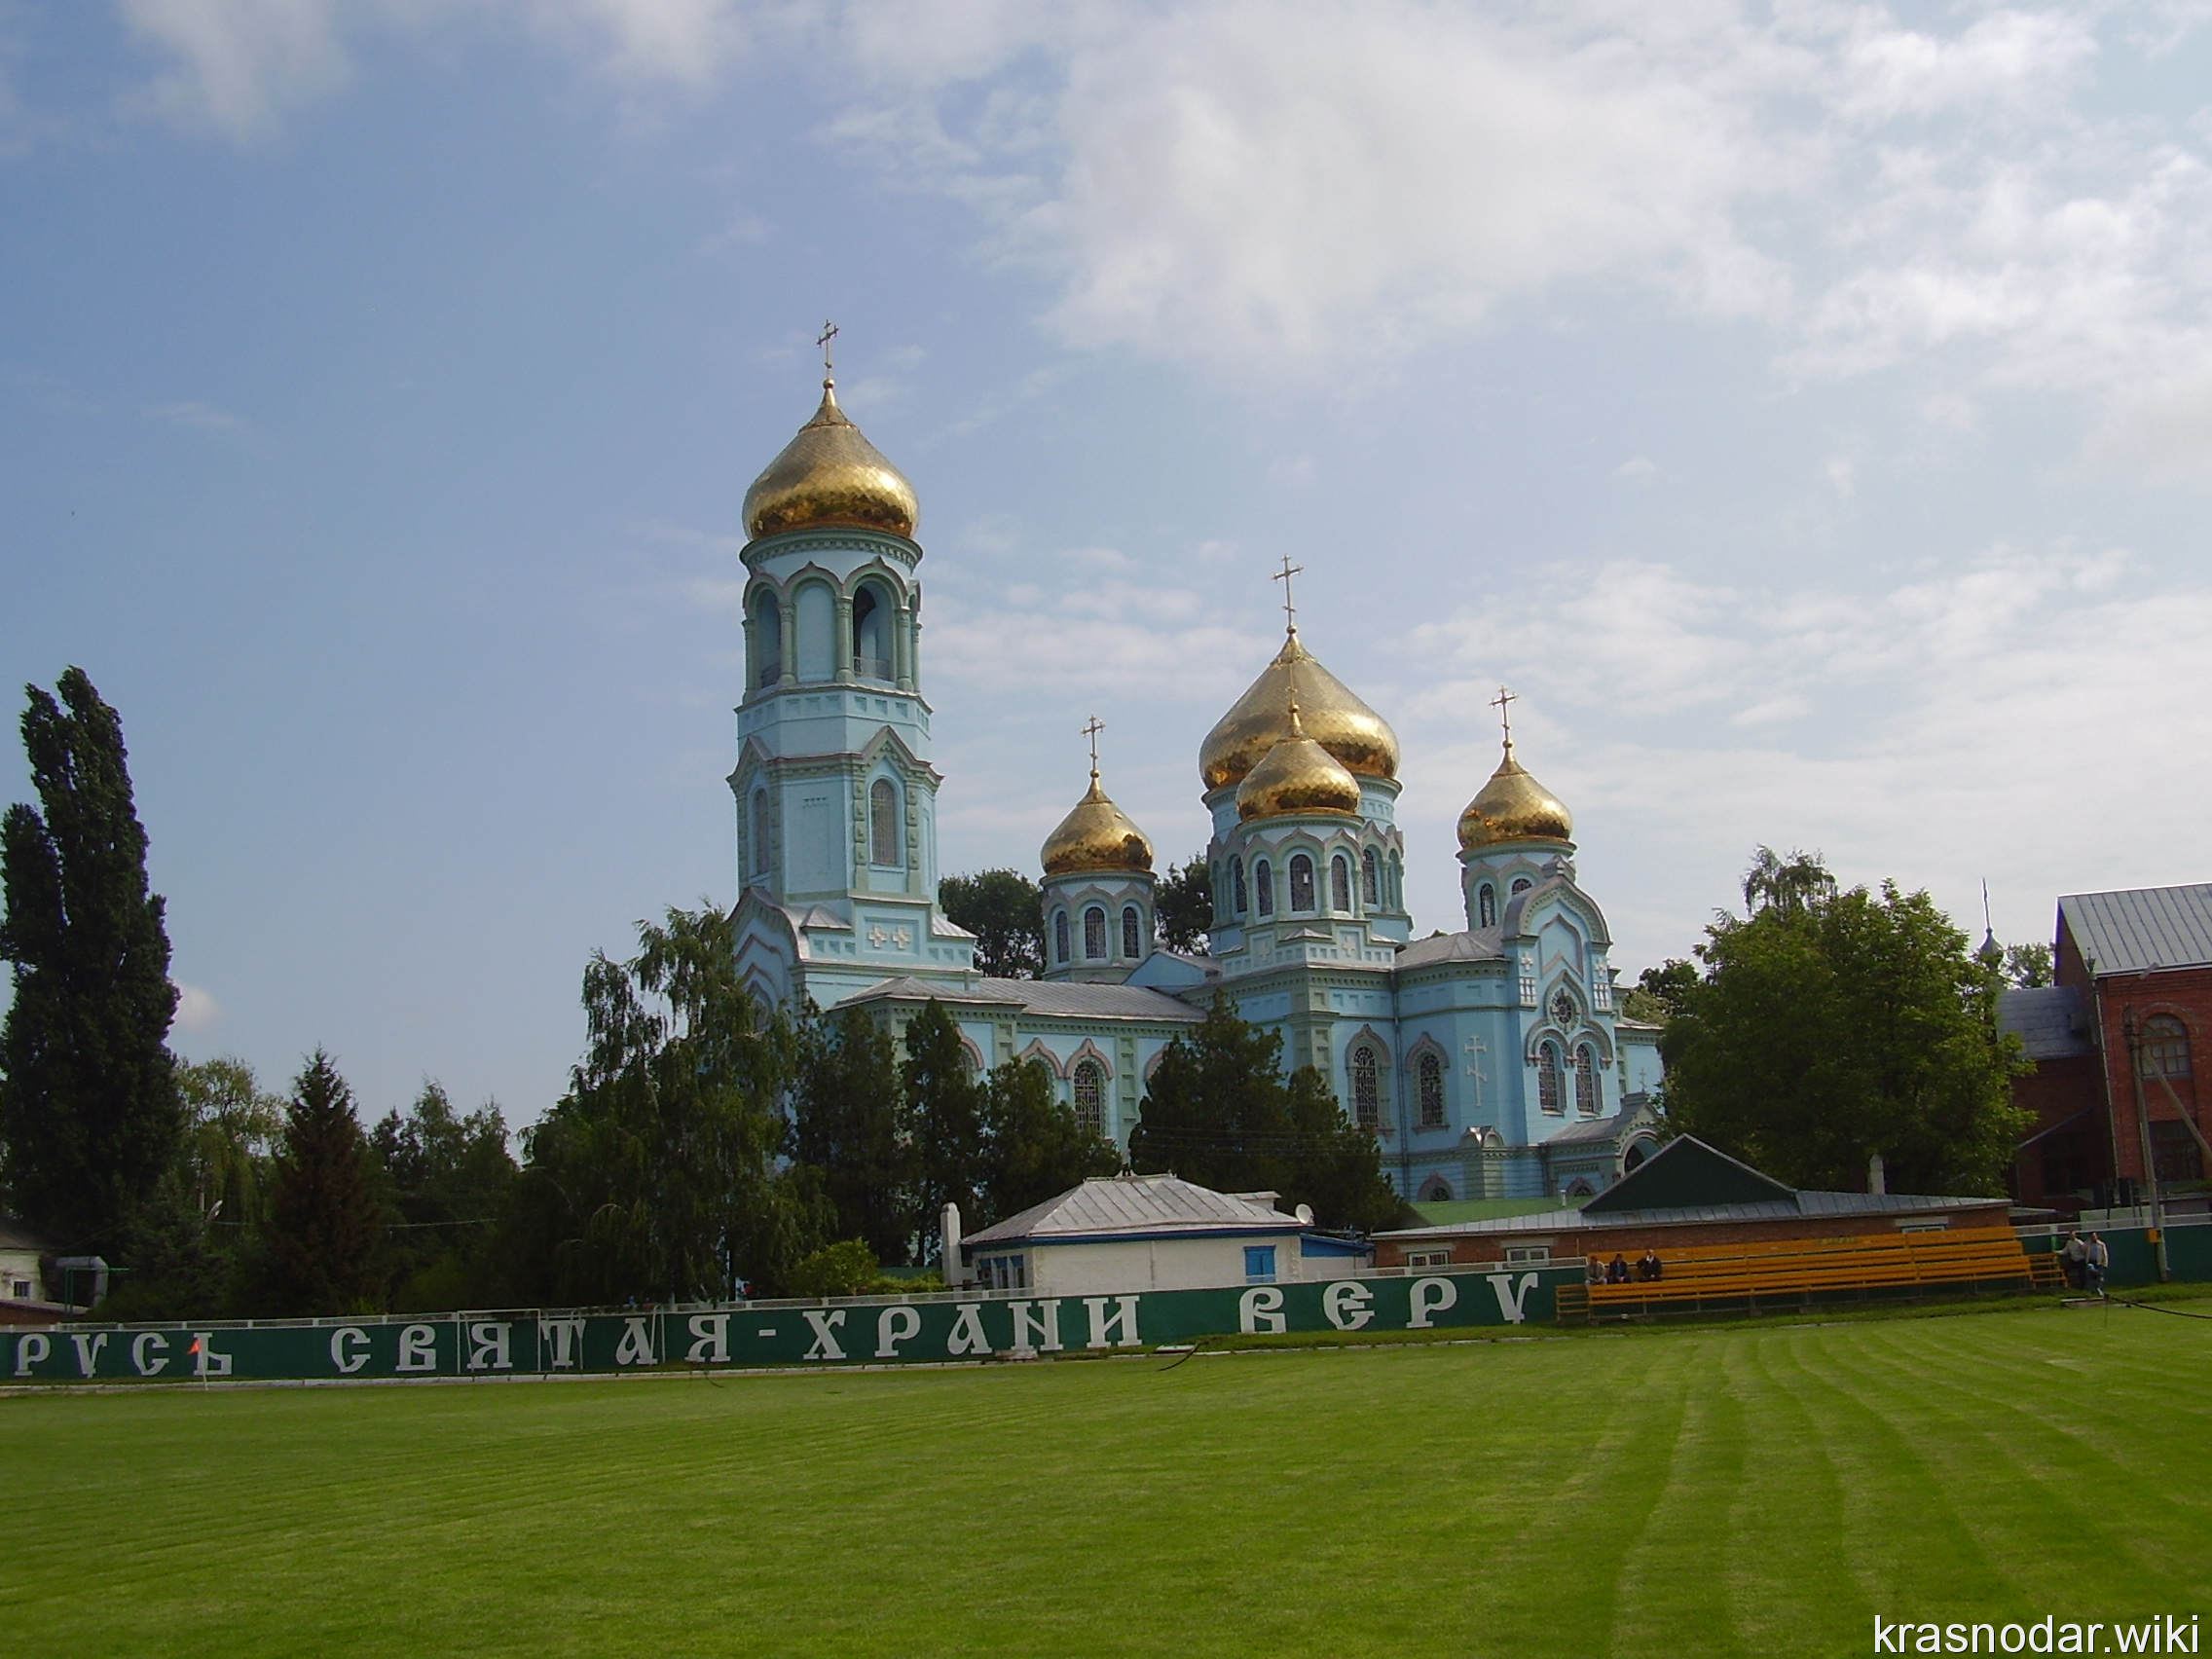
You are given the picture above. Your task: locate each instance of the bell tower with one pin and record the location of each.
(835, 796)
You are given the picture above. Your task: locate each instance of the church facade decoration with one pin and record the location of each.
(1491, 1063)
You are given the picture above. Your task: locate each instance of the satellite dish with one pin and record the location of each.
(1305, 1214)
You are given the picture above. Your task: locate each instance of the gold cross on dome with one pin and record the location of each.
(1283, 575)
(828, 334)
(1091, 728)
(1504, 703)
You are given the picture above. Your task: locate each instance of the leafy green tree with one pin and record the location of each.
(1034, 1145)
(1004, 910)
(1792, 884)
(847, 1268)
(1221, 1112)
(324, 1237)
(849, 1126)
(449, 1175)
(1660, 992)
(2028, 966)
(1832, 1026)
(232, 1131)
(90, 1118)
(945, 1106)
(654, 1177)
(1183, 905)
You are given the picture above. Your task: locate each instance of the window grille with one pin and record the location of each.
(1059, 936)
(1486, 906)
(883, 822)
(1264, 882)
(2165, 1046)
(1370, 877)
(1091, 1096)
(1586, 1081)
(1094, 934)
(1132, 933)
(1547, 1079)
(1430, 1070)
(1300, 883)
(1237, 883)
(1365, 1097)
(1339, 885)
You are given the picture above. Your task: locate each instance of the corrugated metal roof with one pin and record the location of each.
(1592, 1130)
(1042, 997)
(1484, 944)
(2048, 1021)
(2141, 928)
(1115, 1204)
(1839, 1205)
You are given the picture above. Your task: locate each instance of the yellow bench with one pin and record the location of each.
(1799, 1269)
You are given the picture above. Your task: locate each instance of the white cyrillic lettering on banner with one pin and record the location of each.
(418, 1349)
(565, 1337)
(149, 1353)
(1430, 1295)
(1103, 1324)
(349, 1348)
(88, 1351)
(1045, 1327)
(1259, 1310)
(207, 1362)
(1510, 1300)
(637, 1344)
(1348, 1304)
(895, 1324)
(710, 1340)
(825, 1345)
(490, 1347)
(967, 1330)
(31, 1351)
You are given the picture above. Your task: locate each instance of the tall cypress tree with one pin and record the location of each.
(325, 1226)
(89, 1113)
(946, 1104)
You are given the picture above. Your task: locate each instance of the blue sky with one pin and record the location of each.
(1807, 408)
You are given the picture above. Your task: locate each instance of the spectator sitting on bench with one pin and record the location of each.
(1596, 1272)
(1617, 1274)
(1650, 1267)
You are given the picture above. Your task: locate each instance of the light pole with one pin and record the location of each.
(2133, 1030)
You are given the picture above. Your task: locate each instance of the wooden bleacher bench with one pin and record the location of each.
(1801, 1268)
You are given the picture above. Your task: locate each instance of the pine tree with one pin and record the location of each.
(90, 1115)
(1034, 1145)
(849, 1124)
(324, 1234)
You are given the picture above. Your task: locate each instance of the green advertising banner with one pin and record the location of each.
(923, 1330)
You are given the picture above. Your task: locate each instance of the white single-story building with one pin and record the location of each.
(20, 1280)
(1125, 1233)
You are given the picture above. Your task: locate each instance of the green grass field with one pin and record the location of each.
(1688, 1492)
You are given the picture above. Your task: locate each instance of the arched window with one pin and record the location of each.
(1301, 882)
(871, 634)
(1586, 1081)
(1132, 933)
(1339, 885)
(1094, 934)
(1429, 1070)
(2165, 1046)
(883, 822)
(767, 640)
(1547, 1077)
(1059, 936)
(1370, 877)
(1264, 880)
(1486, 906)
(760, 832)
(1236, 884)
(1635, 1156)
(1521, 885)
(1366, 1096)
(1435, 1191)
(1091, 1096)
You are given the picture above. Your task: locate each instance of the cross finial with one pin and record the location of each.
(1283, 575)
(1504, 703)
(828, 334)
(1091, 729)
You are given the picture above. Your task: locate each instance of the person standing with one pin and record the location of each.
(2077, 1256)
(2099, 1263)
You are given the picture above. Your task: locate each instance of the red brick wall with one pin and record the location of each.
(2184, 993)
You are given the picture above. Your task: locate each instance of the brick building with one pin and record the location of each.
(2114, 1043)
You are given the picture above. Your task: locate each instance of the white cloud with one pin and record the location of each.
(197, 1010)
(239, 64)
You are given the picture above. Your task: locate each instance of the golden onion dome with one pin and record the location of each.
(1360, 739)
(829, 475)
(1514, 807)
(1297, 775)
(1098, 835)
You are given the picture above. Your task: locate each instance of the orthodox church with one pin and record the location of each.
(1491, 1063)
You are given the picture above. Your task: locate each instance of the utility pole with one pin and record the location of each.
(2134, 1031)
